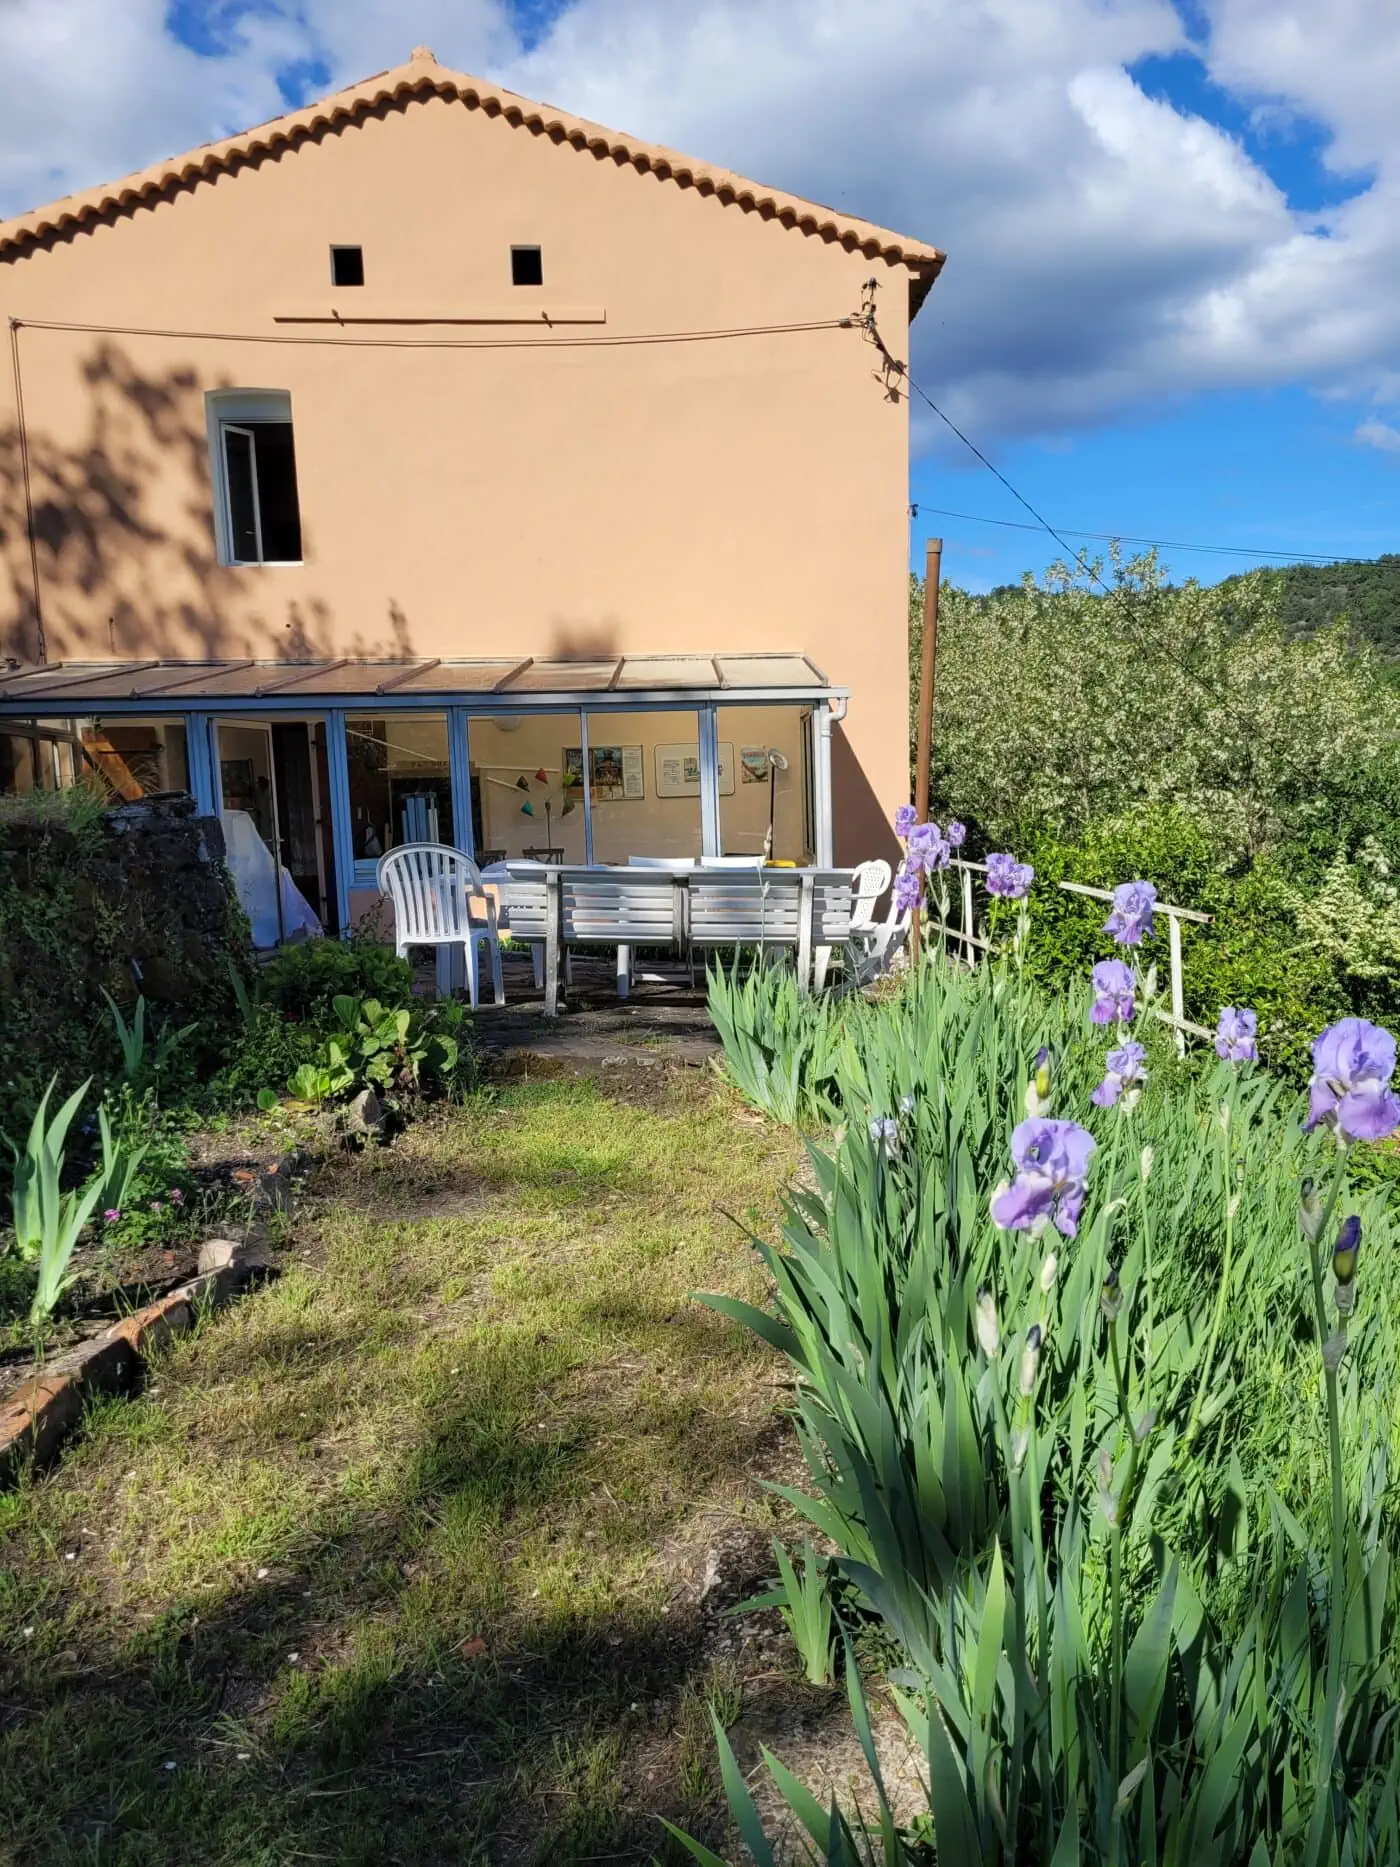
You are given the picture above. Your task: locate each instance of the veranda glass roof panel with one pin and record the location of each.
(658, 671)
(768, 671)
(78, 687)
(458, 677)
(563, 677)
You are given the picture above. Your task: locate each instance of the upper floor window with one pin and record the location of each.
(526, 265)
(347, 265)
(254, 477)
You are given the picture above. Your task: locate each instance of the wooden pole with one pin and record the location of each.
(928, 671)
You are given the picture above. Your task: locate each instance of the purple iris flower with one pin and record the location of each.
(956, 834)
(1114, 987)
(1123, 1071)
(1353, 1062)
(908, 888)
(1052, 1167)
(927, 849)
(1130, 923)
(1235, 1035)
(904, 820)
(884, 1132)
(1007, 877)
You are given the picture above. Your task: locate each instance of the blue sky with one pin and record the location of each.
(1274, 471)
(1172, 299)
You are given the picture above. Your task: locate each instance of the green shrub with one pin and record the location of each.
(304, 981)
(265, 1051)
(1254, 951)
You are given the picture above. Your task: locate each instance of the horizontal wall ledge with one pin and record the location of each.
(544, 316)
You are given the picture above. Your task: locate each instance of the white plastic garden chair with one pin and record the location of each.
(873, 943)
(440, 900)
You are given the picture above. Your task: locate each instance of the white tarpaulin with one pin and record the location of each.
(255, 877)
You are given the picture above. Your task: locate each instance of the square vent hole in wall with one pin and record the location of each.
(347, 265)
(526, 265)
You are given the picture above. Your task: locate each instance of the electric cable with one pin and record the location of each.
(1130, 538)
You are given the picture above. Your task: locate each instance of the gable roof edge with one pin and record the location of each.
(423, 78)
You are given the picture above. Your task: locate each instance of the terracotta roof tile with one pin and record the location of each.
(422, 78)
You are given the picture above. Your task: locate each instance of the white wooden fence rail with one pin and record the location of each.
(968, 942)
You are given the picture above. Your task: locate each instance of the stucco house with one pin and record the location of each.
(431, 463)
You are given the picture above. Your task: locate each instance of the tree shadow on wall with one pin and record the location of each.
(124, 533)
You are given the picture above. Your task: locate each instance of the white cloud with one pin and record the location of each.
(1106, 251)
(1379, 434)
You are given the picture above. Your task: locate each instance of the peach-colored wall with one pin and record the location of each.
(744, 493)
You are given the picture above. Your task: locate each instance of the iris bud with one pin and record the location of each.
(1030, 1360)
(1145, 1162)
(1048, 1272)
(988, 1330)
(1037, 1097)
(1309, 1212)
(1345, 1250)
(1111, 1296)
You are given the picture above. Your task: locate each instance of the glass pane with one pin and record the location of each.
(400, 782)
(243, 530)
(138, 757)
(277, 492)
(19, 763)
(765, 750)
(525, 801)
(645, 785)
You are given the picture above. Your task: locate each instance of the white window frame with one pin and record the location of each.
(232, 409)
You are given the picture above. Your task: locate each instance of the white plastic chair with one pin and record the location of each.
(873, 943)
(439, 900)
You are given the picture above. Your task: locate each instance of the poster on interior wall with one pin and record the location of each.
(753, 763)
(678, 770)
(615, 772)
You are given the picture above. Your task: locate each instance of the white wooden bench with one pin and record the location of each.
(686, 911)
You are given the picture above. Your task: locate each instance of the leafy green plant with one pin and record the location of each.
(38, 1168)
(48, 1221)
(266, 1050)
(142, 1062)
(401, 1049)
(804, 1602)
(780, 1047)
(121, 1162)
(149, 1194)
(315, 1082)
(303, 981)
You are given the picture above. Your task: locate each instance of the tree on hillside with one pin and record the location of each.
(1060, 706)
(1364, 596)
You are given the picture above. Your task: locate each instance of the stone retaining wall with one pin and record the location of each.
(133, 900)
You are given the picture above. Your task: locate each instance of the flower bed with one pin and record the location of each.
(1095, 1350)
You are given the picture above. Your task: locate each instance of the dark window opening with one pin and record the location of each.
(347, 265)
(526, 265)
(264, 519)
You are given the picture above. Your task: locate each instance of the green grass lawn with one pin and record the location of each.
(398, 1559)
